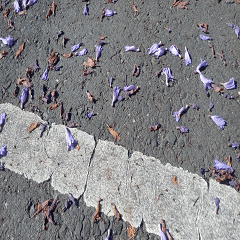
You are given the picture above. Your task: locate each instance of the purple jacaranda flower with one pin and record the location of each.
(194, 106)
(42, 129)
(3, 151)
(16, 6)
(131, 48)
(177, 114)
(36, 67)
(202, 170)
(174, 51)
(169, 76)
(98, 51)
(218, 120)
(202, 29)
(131, 89)
(89, 115)
(45, 74)
(71, 199)
(57, 68)
(154, 127)
(229, 85)
(211, 106)
(230, 24)
(24, 3)
(71, 142)
(168, 29)
(102, 42)
(205, 81)
(204, 38)
(161, 233)
(85, 11)
(116, 92)
(187, 57)
(232, 183)
(217, 201)
(2, 118)
(160, 51)
(233, 145)
(110, 81)
(228, 96)
(7, 41)
(109, 13)
(76, 47)
(202, 64)
(154, 48)
(23, 96)
(222, 166)
(182, 129)
(2, 166)
(31, 2)
(236, 29)
(108, 235)
(82, 52)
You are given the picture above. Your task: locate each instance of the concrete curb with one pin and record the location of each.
(140, 186)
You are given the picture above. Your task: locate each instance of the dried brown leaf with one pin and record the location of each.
(174, 180)
(135, 9)
(19, 50)
(115, 134)
(32, 126)
(67, 55)
(89, 96)
(228, 159)
(54, 5)
(3, 54)
(102, 37)
(6, 12)
(53, 106)
(97, 212)
(131, 231)
(90, 62)
(116, 212)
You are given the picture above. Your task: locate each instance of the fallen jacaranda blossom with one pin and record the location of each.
(2, 118)
(211, 106)
(205, 81)
(23, 96)
(218, 120)
(70, 200)
(217, 201)
(177, 114)
(202, 64)
(160, 51)
(204, 38)
(76, 47)
(154, 127)
(174, 51)
(2, 166)
(188, 60)
(108, 235)
(182, 129)
(169, 76)
(229, 85)
(228, 96)
(233, 145)
(116, 92)
(109, 13)
(154, 48)
(111, 81)
(82, 52)
(7, 41)
(31, 2)
(194, 106)
(85, 11)
(202, 170)
(98, 51)
(3, 151)
(129, 90)
(89, 115)
(16, 6)
(36, 67)
(57, 68)
(45, 74)
(222, 166)
(71, 142)
(236, 29)
(161, 233)
(131, 48)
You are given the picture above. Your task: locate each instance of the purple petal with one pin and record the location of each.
(57, 68)
(7, 41)
(108, 235)
(120, 98)
(205, 81)
(16, 6)
(75, 47)
(169, 76)
(211, 106)
(71, 142)
(160, 51)
(85, 11)
(110, 81)
(2, 166)
(82, 52)
(161, 233)
(131, 48)
(98, 51)
(182, 129)
(228, 96)
(236, 29)
(116, 92)
(43, 129)
(187, 57)
(217, 201)
(154, 48)
(23, 96)
(71, 198)
(89, 115)
(2, 118)
(24, 3)
(202, 64)
(229, 85)
(45, 74)
(31, 2)
(222, 166)
(129, 88)
(3, 150)
(204, 38)
(194, 106)
(177, 114)
(218, 120)
(36, 67)
(233, 145)
(109, 13)
(230, 25)
(174, 51)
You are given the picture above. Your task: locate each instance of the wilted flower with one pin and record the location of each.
(187, 57)
(154, 127)
(174, 51)
(85, 11)
(233, 145)
(129, 90)
(116, 92)
(89, 115)
(131, 48)
(108, 235)
(202, 64)
(76, 47)
(236, 29)
(57, 68)
(82, 52)
(42, 129)
(229, 85)
(3, 151)
(2, 166)
(109, 13)
(71, 142)
(154, 48)
(169, 76)
(70, 200)
(16, 6)
(205, 81)
(2, 118)
(45, 74)
(182, 129)
(218, 120)
(98, 51)
(24, 3)
(204, 38)
(217, 201)
(222, 166)
(102, 42)
(194, 106)
(177, 114)
(7, 41)
(23, 96)
(160, 51)
(211, 106)
(31, 2)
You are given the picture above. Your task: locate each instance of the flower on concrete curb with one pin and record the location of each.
(7, 41)
(3, 151)
(71, 142)
(222, 166)
(188, 60)
(217, 201)
(174, 51)
(45, 74)
(23, 96)
(202, 64)
(204, 38)
(76, 47)
(169, 76)
(85, 11)
(160, 51)
(131, 48)
(2, 118)
(109, 13)
(82, 52)
(116, 92)
(108, 235)
(218, 120)
(182, 129)
(194, 106)
(229, 85)
(154, 48)
(177, 114)
(98, 51)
